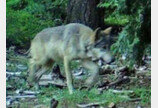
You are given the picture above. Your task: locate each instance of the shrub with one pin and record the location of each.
(25, 18)
(136, 35)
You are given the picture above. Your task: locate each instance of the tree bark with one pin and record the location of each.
(85, 12)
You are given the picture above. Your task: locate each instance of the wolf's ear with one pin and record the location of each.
(96, 33)
(108, 30)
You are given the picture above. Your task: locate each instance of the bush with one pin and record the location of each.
(25, 18)
(136, 35)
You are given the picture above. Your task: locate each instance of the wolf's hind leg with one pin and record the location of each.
(68, 75)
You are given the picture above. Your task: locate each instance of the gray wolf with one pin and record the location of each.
(66, 43)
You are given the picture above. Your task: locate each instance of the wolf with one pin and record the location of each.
(65, 43)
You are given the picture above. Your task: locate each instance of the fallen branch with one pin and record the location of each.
(13, 73)
(90, 104)
(121, 91)
(24, 96)
(30, 92)
(130, 99)
(134, 99)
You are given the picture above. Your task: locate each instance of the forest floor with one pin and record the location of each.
(117, 87)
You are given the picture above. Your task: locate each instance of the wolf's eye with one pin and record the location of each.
(101, 43)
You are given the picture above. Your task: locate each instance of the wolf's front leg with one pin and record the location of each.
(94, 69)
(68, 75)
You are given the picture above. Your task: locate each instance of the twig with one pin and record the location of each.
(131, 99)
(122, 80)
(119, 81)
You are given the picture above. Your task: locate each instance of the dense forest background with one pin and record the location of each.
(25, 18)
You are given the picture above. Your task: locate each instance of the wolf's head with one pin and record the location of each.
(99, 46)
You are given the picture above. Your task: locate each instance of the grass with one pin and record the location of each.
(79, 96)
(144, 93)
(84, 96)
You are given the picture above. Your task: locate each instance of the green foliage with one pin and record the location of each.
(108, 4)
(25, 18)
(125, 45)
(116, 19)
(135, 37)
(112, 16)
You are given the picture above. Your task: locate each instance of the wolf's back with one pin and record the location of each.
(64, 32)
(58, 41)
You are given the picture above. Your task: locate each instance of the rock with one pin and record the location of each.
(100, 63)
(46, 77)
(18, 91)
(22, 67)
(79, 72)
(142, 68)
(112, 105)
(139, 106)
(124, 56)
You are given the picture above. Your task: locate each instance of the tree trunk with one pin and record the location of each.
(85, 12)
